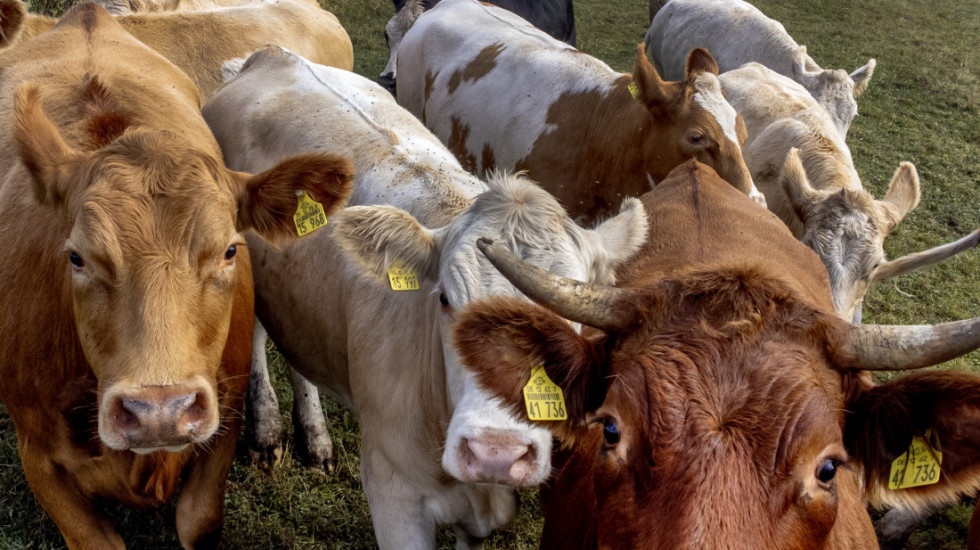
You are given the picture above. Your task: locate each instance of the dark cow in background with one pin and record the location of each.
(555, 17)
(504, 95)
(720, 403)
(127, 301)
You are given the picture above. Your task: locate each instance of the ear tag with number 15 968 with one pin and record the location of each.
(917, 466)
(543, 398)
(309, 214)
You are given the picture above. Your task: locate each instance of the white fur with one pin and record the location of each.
(530, 56)
(387, 354)
(736, 32)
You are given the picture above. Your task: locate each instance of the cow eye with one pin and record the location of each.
(443, 300)
(230, 253)
(75, 259)
(696, 137)
(827, 470)
(610, 431)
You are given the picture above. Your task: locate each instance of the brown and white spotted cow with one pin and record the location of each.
(210, 45)
(127, 302)
(718, 402)
(503, 94)
(805, 169)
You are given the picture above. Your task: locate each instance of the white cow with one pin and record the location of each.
(805, 169)
(387, 354)
(736, 32)
(505, 95)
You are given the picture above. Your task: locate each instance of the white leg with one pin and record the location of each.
(309, 425)
(263, 425)
(400, 523)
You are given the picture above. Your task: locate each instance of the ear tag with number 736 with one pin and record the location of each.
(309, 214)
(917, 466)
(544, 399)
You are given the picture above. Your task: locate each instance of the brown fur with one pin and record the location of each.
(152, 214)
(722, 390)
(201, 42)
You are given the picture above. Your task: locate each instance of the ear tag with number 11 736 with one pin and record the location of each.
(917, 466)
(543, 398)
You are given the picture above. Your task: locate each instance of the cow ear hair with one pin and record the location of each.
(502, 338)
(268, 201)
(941, 407)
(862, 76)
(375, 237)
(652, 88)
(48, 159)
(699, 61)
(902, 197)
(792, 177)
(618, 238)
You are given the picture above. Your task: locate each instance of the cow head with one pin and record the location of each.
(485, 442)
(152, 252)
(833, 88)
(692, 120)
(715, 410)
(847, 228)
(395, 31)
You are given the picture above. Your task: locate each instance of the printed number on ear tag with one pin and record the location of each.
(916, 467)
(309, 215)
(543, 398)
(402, 277)
(634, 89)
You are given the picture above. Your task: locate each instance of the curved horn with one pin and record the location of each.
(594, 305)
(895, 347)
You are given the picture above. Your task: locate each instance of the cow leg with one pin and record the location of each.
(973, 536)
(76, 516)
(466, 541)
(396, 507)
(309, 425)
(263, 424)
(200, 508)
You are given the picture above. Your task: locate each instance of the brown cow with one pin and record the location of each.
(211, 44)
(127, 290)
(720, 404)
(503, 94)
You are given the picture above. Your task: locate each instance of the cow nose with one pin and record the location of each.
(159, 416)
(497, 458)
(387, 81)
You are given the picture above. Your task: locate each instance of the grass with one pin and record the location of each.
(922, 106)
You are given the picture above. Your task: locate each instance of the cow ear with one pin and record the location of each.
(618, 238)
(268, 201)
(862, 76)
(699, 61)
(12, 14)
(802, 196)
(376, 237)
(48, 159)
(651, 88)
(501, 339)
(903, 196)
(941, 407)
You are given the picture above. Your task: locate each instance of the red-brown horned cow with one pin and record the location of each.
(721, 404)
(127, 290)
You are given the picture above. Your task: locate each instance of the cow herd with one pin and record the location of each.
(640, 291)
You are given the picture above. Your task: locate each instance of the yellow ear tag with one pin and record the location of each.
(309, 215)
(402, 277)
(634, 89)
(916, 467)
(543, 397)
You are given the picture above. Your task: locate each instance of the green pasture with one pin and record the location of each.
(923, 106)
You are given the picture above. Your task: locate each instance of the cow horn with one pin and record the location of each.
(894, 347)
(590, 304)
